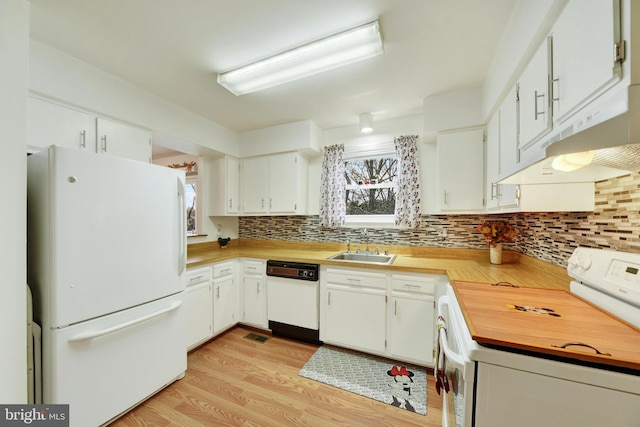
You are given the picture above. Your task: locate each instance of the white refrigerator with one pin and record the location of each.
(106, 251)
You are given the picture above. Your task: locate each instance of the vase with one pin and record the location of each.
(495, 253)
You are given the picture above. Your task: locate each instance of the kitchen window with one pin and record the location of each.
(192, 196)
(371, 188)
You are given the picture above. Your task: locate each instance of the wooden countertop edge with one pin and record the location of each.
(458, 264)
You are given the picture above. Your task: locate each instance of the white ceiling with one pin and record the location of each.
(174, 48)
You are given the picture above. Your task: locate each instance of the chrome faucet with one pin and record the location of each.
(365, 236)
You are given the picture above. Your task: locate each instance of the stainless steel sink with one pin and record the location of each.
(364, 258)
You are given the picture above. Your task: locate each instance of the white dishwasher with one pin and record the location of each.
(293, 293)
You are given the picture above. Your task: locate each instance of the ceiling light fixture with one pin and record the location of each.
(571, 162)
(325, 54)
(366, 123)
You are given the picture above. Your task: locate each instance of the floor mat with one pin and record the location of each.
(398, 384)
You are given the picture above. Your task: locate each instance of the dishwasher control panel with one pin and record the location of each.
(293, 270)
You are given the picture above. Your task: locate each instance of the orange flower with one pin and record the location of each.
(497, 232)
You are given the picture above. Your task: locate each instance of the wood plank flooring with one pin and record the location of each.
(233, 381)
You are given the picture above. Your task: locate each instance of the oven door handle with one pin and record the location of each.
(453, 358)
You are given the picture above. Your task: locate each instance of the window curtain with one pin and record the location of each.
(333, 203)
(407, 212)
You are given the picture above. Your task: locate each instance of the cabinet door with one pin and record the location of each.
(198, 303)
(121, 140)
(493, 161)
(51, 124)
(509, 153)
(224, 186)
(225, 303)
(255, 301)
(356, 318)
(535, 108)
(411, 328)
(283, 183)
(583, 62)
(232, 200)
(255, 185)
(460, 157)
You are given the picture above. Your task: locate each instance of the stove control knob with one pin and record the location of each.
(585, 263)
(574, 261)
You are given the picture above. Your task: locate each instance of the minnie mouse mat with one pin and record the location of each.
(398, 384)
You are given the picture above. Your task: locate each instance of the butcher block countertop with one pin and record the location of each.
(543, 320)
(458, 264)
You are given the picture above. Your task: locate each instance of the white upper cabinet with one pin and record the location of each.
(224, 184)
(274, 184)
(460, 174)
(535, 105)
(287, 183)
(585, 64)
(255, 185)
(502, 153)
(493, 161)
(122, 140)
(52, 124)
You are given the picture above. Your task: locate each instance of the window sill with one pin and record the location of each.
(377, 221)
(196, 235)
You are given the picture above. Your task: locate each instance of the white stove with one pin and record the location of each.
(484, 386)
(609, 280)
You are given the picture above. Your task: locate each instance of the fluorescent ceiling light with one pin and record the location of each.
(325, 54)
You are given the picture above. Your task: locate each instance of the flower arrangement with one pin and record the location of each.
(495, 232)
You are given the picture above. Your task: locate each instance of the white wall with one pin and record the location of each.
(14, 45)
(384, 131)
(61, 77)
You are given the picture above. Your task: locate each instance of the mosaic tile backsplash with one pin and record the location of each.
(613, 224)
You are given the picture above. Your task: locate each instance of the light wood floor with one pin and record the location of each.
(233, 381)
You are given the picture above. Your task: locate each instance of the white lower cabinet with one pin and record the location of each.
(354, 303)
(388, 314)
(411, 317)
(254, 293)
(226, 302)
(198, 301)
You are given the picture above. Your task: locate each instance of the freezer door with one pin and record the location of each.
(117, 234)
(103, 367)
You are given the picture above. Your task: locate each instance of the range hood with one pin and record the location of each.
(609, 127)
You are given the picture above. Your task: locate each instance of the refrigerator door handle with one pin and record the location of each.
(182, 228)
(95, 334)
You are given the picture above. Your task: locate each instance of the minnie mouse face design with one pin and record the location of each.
(403, 380)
